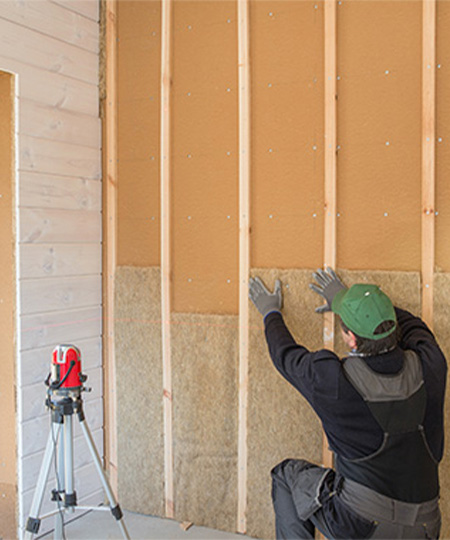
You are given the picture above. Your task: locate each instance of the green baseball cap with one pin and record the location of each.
(363, 308)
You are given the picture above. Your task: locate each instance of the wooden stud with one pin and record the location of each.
(244, 253)
(110, 241)
(330, 172)
(166, 82)
(428, 156)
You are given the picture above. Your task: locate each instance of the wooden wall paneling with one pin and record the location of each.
(428, 157)
(38, 190)
(44, 329)
(41, 295)
(330, 209)
(32, 397)
(32, 463)
(47, 122)
(56, 157)
(59, 226)
(88, 485)
(53, 89)
(89, 492)
(59, 260)
(244, 252)
(165, 177)
(35, 431)
(20, 43)
(54, 20)
(110, 179)
(87, 8)
(58, 137)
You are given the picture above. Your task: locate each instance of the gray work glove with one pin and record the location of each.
(265, 301)
(328, 285)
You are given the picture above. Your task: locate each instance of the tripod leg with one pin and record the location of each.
(115, 508)
(70, 498)
(33, 521)
(59, 519)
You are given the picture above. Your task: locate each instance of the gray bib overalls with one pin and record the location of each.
(395, 489)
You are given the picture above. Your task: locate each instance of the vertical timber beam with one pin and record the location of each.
(330, 172)
(110, 241)
(428, 156)
(166, 83)
(244, 252)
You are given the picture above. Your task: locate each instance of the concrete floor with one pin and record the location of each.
(100, 525)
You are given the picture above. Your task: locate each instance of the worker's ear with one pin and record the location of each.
(352, 340)
(349, 339)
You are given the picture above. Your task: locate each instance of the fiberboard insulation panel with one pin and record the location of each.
(205, 418)
(442, 331)
(205, 396)
(281, 424)
(139, 389)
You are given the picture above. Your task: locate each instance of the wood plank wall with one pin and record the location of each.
(53, 49)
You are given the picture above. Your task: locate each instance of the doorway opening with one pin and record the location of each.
(8, 418)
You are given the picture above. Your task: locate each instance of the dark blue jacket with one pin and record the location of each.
(346, 419)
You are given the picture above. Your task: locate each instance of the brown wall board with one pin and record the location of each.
(138, 88)
(287, 117)
(442, 332)
(443, 137)
(281, 424)
(379, 134)
(8, 510)
(379, 119)
(138, 18)
(204, 153)
(8, 473)
(204, 362)
(139, 389)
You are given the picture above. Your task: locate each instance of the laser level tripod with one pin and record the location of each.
(64, 401)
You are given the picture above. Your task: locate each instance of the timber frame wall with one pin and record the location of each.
(333, 60)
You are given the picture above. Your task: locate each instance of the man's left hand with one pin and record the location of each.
(265, 301)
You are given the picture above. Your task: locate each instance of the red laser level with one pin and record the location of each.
(66, 368)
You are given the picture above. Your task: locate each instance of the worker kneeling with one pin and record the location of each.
(381, 408)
